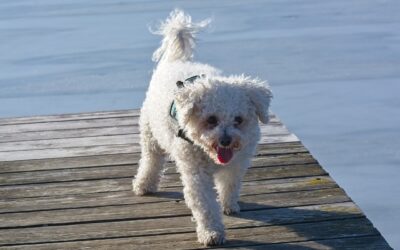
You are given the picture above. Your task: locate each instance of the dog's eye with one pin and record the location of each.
(212, 120)
(238, 120)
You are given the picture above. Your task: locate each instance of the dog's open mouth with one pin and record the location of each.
(225, 154)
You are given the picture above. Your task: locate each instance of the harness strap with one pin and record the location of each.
(173, 112)
(181, 134)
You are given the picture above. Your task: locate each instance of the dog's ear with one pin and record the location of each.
(187, 99)
(260, 96)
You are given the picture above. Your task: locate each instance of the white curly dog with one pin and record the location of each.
(207, 123)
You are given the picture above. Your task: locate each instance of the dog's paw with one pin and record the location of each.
(140, 189)
(211, 237)
(232, 209)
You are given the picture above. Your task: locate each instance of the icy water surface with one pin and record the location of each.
(334, 67)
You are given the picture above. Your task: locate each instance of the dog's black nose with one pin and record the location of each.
(225, 140)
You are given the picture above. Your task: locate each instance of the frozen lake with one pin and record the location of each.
(334, 67)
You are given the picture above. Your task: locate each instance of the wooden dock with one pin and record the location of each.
(65, 183)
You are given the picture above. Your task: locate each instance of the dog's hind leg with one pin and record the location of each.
(150, 164)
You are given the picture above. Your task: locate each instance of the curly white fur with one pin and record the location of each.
(219, 114)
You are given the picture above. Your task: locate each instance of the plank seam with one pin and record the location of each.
(181, 215)
(161, 201)
(313, 161)
(72, 147)
(68, 120)
(229, 229)
(133, 124)
(116, 178)
(71, 137)
(88, 147)
(167, 187)
(294, 241)
(94, 145)
(133, 154)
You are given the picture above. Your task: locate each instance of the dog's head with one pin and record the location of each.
(221, 114)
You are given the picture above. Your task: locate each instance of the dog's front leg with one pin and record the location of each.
(200, 196)
(228, 182)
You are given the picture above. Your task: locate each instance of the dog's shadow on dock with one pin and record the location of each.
(304, 227)
(260, 226)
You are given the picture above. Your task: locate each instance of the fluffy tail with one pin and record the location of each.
(179, 37)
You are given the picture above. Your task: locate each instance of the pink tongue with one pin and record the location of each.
(224, 154)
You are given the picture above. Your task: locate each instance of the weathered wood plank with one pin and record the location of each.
(68, 162)
(62, 188)
(48, 189)
(236, 237)
(116, 129)
(129, 228)
(69, 142)
(117, 192)
(50, 153)
(80, 123)
(67, 174)
(76, 124)
(262, 174)
(278, 138)
(68, 133)
(69, 152)
(86, 140)
(69, 117)
(102, 150)
(127, 170)
(119, 159)
(68, 187)
(165, 209)
(280, 148)
(78, 116)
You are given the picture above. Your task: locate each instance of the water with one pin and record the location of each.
(334, 67)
